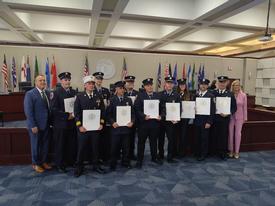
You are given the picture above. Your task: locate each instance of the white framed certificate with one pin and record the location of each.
(151, 108)
(203, 105)
(172, 111)
(188, 109)
(69, 104)
(91, 119)
(133, 98)
(123, 115)
(223, 105)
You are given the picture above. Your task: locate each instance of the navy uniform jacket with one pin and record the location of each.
(139, 109)
(36, 111)
(201, 120)
(131, 94)
(60, 117)
(104, 92)
(174, 97)
(111, 113)
(83, 102)
(233, 108)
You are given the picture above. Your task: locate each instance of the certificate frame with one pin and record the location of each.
(123, 115)
(188, 109)
(91, 119)
(223, 105)
(203, 105)
(172, 111)
(151, 108)
(69, 104)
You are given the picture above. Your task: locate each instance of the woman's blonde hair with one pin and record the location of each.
(235, 82)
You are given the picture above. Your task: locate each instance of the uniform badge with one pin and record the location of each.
(127, 103)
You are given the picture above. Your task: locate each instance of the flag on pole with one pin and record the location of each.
(36, 69)
(159, 78)
(13, 73)
(28, 69)
(175, 74)
(202, 72)
(86, 68)
(5, 75)
(47, 74)
(193, 77)
(166, 71)
(53, 74)
(183, 72)
(23, 70)
(170, 70)
(189, 83)
(124, 69)
(199, 74)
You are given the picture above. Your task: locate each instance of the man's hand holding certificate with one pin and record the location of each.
(123, 116)
(223, 106)
(151, 109)
(91, 120)
(202, 106)
(173, 112)
(188, 109)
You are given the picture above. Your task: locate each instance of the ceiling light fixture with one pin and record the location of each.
(267, 36)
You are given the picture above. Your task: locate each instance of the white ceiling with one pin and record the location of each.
(193, 26)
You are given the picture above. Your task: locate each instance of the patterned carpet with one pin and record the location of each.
(247, 181)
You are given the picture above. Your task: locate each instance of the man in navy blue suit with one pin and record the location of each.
(37, 111)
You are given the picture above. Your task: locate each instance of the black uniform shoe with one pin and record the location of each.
(62, 169)
(201, 158)
(127, 165)
(78, 171)
(113, 168)
(172, 161)
(99, 170)
(157, 161)
(133, 157)
(139, 165)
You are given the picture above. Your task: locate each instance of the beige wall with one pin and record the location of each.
(250, 72)
(142, 65)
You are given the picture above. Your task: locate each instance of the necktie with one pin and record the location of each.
(45, 98)
(68, 91)
(91, 96)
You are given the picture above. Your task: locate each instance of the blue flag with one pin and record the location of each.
(202, 73)
(199, 75)
(189, 79)
(48, 74)
(159, 78)
(28, 69)
(175, 74)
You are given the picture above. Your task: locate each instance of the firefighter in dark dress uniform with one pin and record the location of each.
(147, 127)
(168, 127)
(221, 121)
(120, 135)
(204, 122)
(90, 99)
(182, 142)
(64, 130)
(104, 141)
(132, 93)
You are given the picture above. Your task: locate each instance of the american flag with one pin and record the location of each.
(23, 70)
(159, 78)
(86, 68)
(124, 70)
(5, 74)
(166, 70)
(13, 73)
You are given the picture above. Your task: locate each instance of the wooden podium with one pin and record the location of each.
(12, 106)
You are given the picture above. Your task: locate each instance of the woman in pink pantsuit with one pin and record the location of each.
(237, 120)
